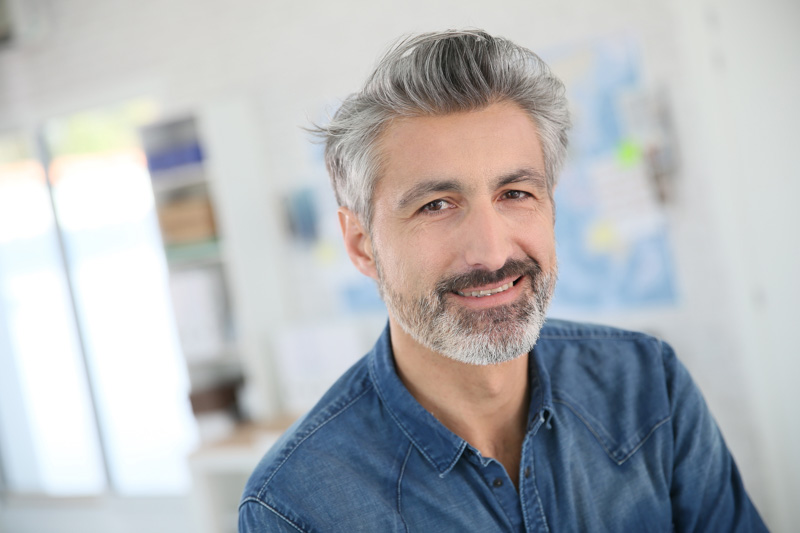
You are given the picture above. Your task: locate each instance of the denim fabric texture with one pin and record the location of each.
(618, 439)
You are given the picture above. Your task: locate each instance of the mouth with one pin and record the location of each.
(483, 292)
(480, 290)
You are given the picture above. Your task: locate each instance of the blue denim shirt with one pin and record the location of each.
(618, 439)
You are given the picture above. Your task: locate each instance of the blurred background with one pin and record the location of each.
(173, 291)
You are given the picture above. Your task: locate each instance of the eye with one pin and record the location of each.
(435, 206)
(517, 195)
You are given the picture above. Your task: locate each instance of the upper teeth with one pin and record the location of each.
(487, 293)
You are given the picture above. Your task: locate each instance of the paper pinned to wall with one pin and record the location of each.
(311, 357)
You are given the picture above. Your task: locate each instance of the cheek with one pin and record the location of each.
(409, 263)
(540, 243)
(390, 255)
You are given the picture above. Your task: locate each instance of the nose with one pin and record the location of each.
(486, 238)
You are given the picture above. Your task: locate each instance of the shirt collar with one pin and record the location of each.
(440, 446)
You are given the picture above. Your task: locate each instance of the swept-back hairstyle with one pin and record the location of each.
(436, 74)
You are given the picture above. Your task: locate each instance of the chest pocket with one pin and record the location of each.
(616, 387)
(620, 432)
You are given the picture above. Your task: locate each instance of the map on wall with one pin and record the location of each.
(613, 246)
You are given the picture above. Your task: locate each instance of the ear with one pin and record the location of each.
(358, 243)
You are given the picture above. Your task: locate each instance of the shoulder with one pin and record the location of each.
(341, 398)
(555, 328)
(569, 349)
(617, 382)
(324, 456)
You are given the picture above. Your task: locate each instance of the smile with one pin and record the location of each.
(482, 293)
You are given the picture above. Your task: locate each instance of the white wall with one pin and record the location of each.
(730, 67)
(743, 61)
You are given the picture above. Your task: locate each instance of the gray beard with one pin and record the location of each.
(475, 337)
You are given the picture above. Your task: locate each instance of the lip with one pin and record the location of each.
(501, 298)
(493, 286)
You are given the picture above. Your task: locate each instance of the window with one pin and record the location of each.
(93, 387)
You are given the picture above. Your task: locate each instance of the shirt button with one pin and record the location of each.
(527, 471)
(497, 482)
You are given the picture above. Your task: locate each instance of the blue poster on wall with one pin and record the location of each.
(613, 246)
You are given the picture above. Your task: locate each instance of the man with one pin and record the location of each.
(470, 413)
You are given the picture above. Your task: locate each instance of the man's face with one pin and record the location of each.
(462, 234)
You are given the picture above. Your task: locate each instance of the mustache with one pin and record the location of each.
(512, 267)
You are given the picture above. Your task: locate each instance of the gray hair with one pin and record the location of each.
(436, 74)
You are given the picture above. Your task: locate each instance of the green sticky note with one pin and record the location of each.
(628, 153)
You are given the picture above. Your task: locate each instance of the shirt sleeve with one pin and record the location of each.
(707, 492)
(256, 517)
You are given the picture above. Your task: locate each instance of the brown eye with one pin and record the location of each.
(436, 205)
(517, 195)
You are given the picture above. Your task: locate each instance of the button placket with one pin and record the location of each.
(528, 491)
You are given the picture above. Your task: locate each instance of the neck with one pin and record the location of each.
(485, 405)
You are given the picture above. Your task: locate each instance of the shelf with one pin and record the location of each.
(224, 357)
(193, 255)
(204, 379)
(178, 178)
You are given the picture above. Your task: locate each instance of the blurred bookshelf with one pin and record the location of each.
(198, 278)
(221, 229)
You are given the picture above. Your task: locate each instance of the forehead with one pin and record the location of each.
(471, 148)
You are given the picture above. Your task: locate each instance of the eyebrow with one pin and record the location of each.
(528, 174)
(524, 175)
(424, 188)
